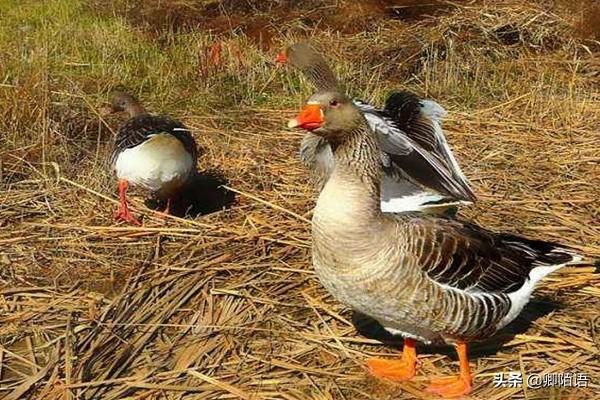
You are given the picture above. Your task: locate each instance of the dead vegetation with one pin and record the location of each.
(226, 305)
(264, 21)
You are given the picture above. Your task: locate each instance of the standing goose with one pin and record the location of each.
(421, 172)
(427, 277)
(153, 152)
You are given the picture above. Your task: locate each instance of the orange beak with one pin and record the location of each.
(281, 58)
(310, 118)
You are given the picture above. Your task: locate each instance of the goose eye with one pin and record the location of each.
(334, 103)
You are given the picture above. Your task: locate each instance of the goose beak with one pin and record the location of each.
(310, 118)
(281, 58)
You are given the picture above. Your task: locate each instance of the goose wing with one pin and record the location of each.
(399, 193)
(422, 121)
(317, 156)
(140, 128)
(409, 131)
(465, 256)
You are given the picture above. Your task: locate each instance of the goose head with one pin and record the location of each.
(123, 101)
(330, 114)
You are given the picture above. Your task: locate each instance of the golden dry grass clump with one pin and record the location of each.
(226, 305)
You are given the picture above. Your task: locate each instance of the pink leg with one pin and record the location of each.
(123, 213)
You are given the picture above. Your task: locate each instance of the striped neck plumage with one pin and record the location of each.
(321, 76)
(314, 67)
(357, 157)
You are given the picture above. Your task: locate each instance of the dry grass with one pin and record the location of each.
(226, 305)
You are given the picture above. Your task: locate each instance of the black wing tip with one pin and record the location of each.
(544, 253)
(567, 255)
(469, 195)
(461, 191)
(401, 101)
(397, 96)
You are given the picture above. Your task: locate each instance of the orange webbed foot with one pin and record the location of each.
(451, 387)
(455, 386)
(394, 370)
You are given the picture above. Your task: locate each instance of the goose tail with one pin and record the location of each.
(549, 257)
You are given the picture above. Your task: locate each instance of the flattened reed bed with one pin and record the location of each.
(226, 305)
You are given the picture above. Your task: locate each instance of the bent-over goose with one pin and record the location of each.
(153, 152)
(427, 277)
(420, 170)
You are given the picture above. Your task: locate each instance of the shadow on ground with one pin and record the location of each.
(202, 194)
(537, 308)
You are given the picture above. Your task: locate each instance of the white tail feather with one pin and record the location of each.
(520, 297)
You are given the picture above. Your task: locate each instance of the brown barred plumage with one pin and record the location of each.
(427, 277)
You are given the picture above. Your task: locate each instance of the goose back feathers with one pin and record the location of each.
(142, 127)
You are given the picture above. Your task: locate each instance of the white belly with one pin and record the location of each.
(413, 332)
(160, 163)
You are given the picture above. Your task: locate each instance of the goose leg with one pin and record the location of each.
(167, 211)
(123, 213)
(455, 386)
(396, 370)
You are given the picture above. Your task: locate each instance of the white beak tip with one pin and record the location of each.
(293, 123)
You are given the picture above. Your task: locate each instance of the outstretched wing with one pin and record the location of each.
(410, 133)
(422, 121)
(398, 192)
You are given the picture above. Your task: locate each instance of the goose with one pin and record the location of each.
(421, 173)
(428, 277)
(153, 152)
